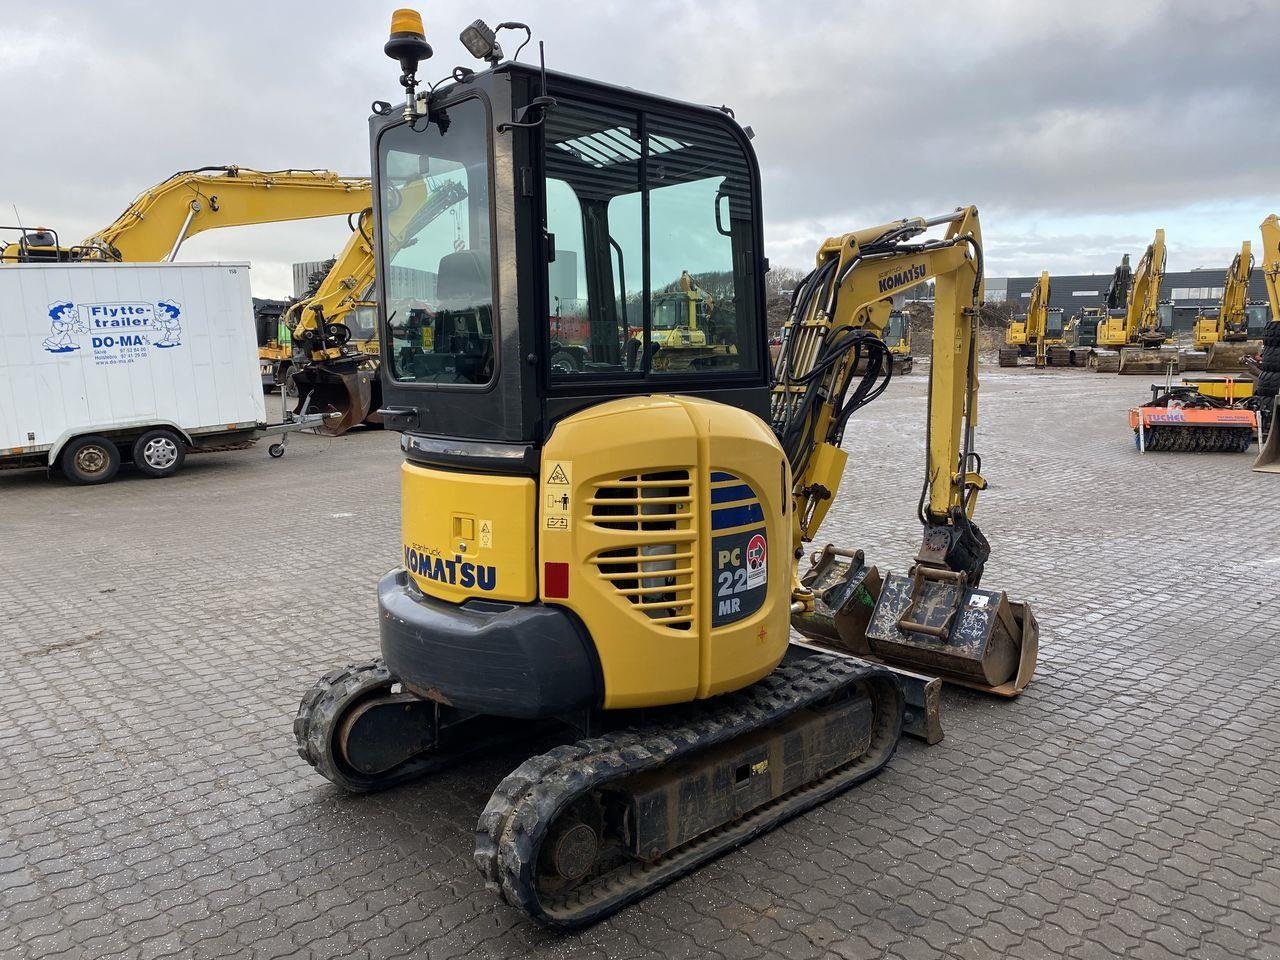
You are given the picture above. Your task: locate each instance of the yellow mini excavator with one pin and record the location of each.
(1225, 334)
(1028, 336)
(614, 548)
(1134, 334)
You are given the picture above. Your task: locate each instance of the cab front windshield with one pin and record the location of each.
(435, 247)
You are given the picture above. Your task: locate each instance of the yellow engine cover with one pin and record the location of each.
(468, 535)
(664, 524)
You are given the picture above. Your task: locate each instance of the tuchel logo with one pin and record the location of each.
(911, 274)
(456, 572)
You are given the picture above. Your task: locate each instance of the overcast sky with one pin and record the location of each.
(1077, 128)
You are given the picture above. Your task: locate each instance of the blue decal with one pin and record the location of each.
(736, 516)
(730, 494)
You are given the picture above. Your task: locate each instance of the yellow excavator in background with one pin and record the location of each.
(1129, 342)
(1267, 371)
(1225, 334)
(616, 548)
(325, 357)
(1028, 335)
(155, 225)
(897, 337)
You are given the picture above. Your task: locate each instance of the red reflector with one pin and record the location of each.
(555, 581)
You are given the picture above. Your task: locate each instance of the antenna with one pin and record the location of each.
(17, 216)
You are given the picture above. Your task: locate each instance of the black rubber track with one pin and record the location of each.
(526, 804)
(321, 712)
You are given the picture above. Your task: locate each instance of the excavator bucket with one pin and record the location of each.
(931, 622)
(1269, 457)
(1226, 357)
(353, 391)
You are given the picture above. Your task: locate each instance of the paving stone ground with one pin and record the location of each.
(156, 638)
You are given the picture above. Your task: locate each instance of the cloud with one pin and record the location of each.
(865, 112)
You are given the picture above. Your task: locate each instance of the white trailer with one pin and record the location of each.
(104, 362)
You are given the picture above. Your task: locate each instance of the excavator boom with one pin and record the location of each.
(155, 225)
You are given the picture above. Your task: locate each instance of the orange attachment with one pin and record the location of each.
(1191, 417)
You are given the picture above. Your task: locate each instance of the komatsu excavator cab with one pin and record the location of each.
(587, 216)
(596, 208)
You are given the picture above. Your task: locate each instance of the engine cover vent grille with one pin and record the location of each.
(651, 517)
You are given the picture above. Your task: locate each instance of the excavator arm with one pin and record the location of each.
(838, 313)
(1271, 261)
(934, 619)
(155, 225)
(1231, 323)
(1140, 324)
(1031, 329)
(331, 372)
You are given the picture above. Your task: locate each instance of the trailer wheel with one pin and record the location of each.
(90, 459)
(159, 453)
(276, 451)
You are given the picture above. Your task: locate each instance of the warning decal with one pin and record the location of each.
(556, 501)
(757, 561)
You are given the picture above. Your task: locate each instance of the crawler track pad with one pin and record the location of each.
(576, 834)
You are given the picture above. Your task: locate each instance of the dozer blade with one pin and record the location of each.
(1227, 357)
(354, 392)
(930, 623)
(1269, 456)
(576, 834)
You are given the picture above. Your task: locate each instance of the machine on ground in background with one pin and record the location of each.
(1130, 338)
(1032, 335)
(1224, 333)
(613, 550)
(1266, 369)
(154, 227)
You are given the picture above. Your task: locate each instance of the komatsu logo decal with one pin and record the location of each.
(456, 572)
(911, 274)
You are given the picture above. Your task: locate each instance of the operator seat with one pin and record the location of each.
(464, 299)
